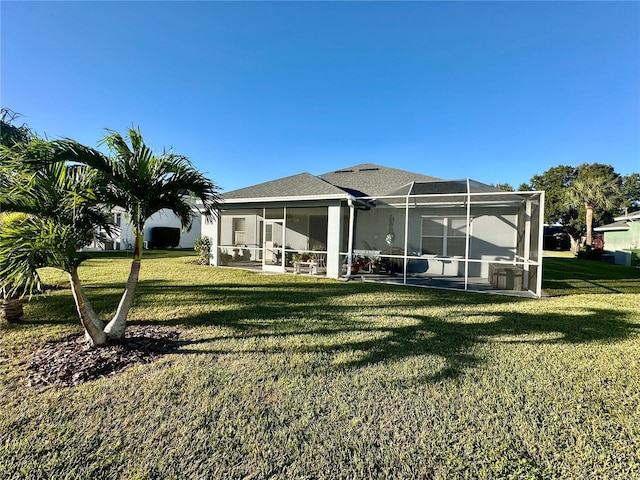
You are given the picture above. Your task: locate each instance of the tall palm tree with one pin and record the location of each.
(594, 192)
(142, 183)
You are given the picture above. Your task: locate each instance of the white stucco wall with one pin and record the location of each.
(164, 218)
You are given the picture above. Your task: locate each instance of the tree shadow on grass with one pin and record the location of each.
(329, 317)
(278, 311)
(571, 276)
(454, 341)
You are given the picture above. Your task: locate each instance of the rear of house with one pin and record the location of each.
(385, 224)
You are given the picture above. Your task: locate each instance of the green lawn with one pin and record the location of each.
(298, 377)
(571, 276)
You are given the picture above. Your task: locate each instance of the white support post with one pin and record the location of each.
(283, 255)
(468, 238)
(527, 244)
(540, 245)
(212, 230)
(334, 240)
(406, 235)
(352, 210)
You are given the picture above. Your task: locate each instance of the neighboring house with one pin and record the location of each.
(556, 238)
(384, 224)
(123, 239)
(622, 235)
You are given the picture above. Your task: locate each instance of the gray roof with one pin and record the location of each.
(621, 225)
(364, 180)
(303, 184)
(369, 180)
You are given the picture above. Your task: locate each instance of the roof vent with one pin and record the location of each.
(343, 171)
(369, 169)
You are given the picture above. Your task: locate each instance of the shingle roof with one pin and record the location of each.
(621, 225)
(362, 180)
(368, 179)
(303, 184)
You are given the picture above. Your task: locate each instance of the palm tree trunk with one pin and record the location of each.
(12, 310)
(88, 318)
(92, 314)
(116, 328)
(589, 222)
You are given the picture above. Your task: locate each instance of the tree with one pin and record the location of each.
(10, 135)
(12, 310)
(141, 182)
(61, 215)
(630, 190)
(504, 186)
(554, 183)
(571, 213)
(597, 187)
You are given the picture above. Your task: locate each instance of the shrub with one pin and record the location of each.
(203, 249)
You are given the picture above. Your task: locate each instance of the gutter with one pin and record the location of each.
(284, 199)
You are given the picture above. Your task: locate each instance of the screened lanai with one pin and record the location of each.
(451, 234)
(274, 238)
(433, 233)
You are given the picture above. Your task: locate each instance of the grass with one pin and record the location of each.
(571, 276)
(301, 377)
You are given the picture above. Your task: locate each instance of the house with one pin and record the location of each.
(123, 238)
(622, 236)
(384, 224)
(555, 237)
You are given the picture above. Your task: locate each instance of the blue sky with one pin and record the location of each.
(253, 91)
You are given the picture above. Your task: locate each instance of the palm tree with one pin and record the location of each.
(142, 183)
(10, 135)
(12, 310)
(61, 215)
(594, 192)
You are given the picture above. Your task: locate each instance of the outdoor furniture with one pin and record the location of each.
(417, 265)
(313, 266)
(506, 277)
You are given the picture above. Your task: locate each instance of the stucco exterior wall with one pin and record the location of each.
(165, 218)
(123, 240)
(630, 239)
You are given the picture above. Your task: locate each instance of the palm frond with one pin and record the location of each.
(35, 242)
(144, 183)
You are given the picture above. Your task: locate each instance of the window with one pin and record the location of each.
(444, 236)
(318, 225)
(239, 235)
(268, 236)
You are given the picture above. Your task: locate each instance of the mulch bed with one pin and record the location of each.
(71, 361)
